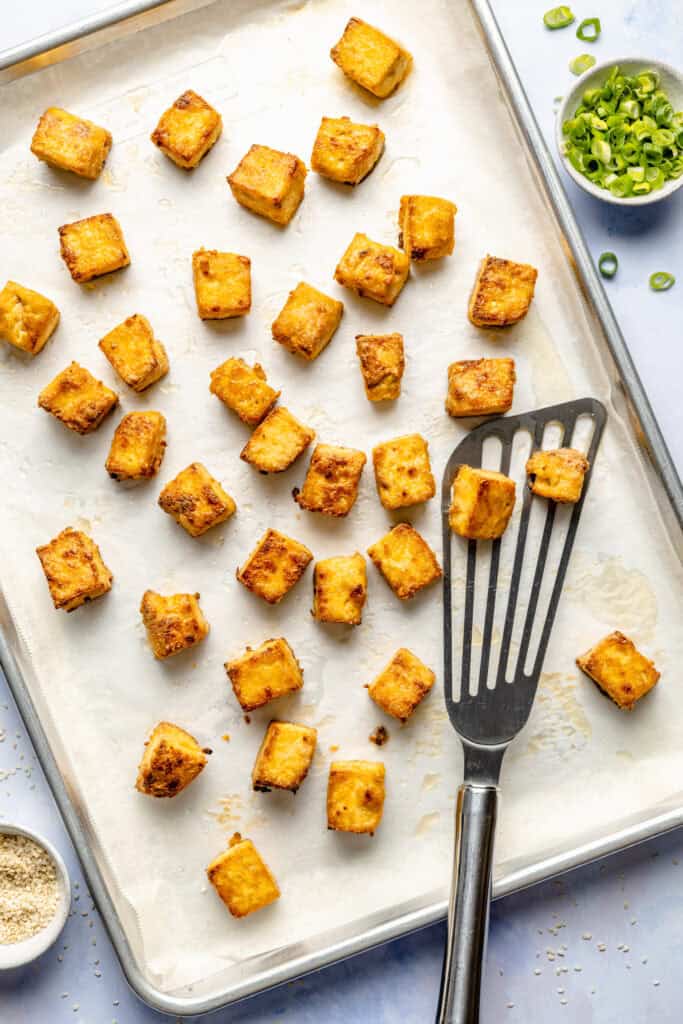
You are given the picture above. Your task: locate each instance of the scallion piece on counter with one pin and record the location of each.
(582, 63)
(662, 281)
(558, 17)
(589, 30)
(608, 264)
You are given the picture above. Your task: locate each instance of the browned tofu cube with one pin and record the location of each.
(307, 321)
(340, 587)
(243, 389)
(284, 757)
(482, 501)
(480, 387)
(77, 399)
(173, 623)
(277, 442)
(269, 183)
(274, 566)
(382, 364)
(138, 446)
(331, 484)
(400, 687)
(27, 318)
(93, 247)
(74, 569)
(222, 284)
(558, 474)
(502, 292)
(137, 356)
(372, 270)
(619, 669)
(196, 500)
(71, 143)
(264, 674)
(355, 796)
(187, 130)
(406, 561)
(241, 879)
(171, 761)
(371, 59)
(403, 473)
(345, 151)
(427, 227)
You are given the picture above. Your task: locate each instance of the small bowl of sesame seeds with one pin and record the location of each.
(35, 895)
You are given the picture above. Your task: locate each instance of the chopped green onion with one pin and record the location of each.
(582, 63)
(608, 264)
(662, 281)
(558, 17)
(589, 30)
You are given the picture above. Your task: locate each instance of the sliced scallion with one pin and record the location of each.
(582, 63)
(662, 281)
(589, 30)
(608, 264)
(558, 17)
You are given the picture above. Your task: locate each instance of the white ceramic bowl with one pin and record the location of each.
(17, 954)
(671, 81)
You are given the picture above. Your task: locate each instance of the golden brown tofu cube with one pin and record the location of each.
(138, 446)
(187, 130)
(222, 284)
(558, 474)
(355, 796)
(137, 356)
(277, 442)
(372, 270)
(400, 687)
(27, 318)
(284, 757)
(340, 587)
(244, 390)
(427, 227)
(371, 59)
(269, 183)
(619, 669)
(241, 879)
(403, 473)
(93, 247)
(345, 151)
(71, 143)
(502, 292)
(307, 321)
(331, 484)
(274, 566)
(171, 761)
(196, 500)
(480, 387)
(173, 623)
(264, 674)
(406, 561)
(382, 364)
(482, 501)
(77, 399)
(74, 569)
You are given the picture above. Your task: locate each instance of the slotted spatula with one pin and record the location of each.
(488, 716)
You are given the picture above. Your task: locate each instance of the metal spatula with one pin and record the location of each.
(487, 716)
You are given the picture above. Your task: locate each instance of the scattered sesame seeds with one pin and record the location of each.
(587, 936)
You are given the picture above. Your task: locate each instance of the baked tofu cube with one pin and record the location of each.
(137, 356)
(74, 569)
(27, 318)
(344, 151)
(480, 387)
(382, 364)
(403, 473)
(619, 669)
(558, 474)
(340, 587)
(173, 623)
(187, 130)
(284, 757)
(243, 389)
(406, 561)
(93, 247)
(77, 399)
(171, 761)
(277, 442)
(269, 183)
(307, 321)
(241, 879)
(355, 796)
(427, 227)
(138, 446)
(502, 292)
(222, 284)
(371, 59)
(331, 484)
(400, 687)
(482, 501)
(71, 143)
(264, 674)
(196, 501)
(274, 566)
(372, 270)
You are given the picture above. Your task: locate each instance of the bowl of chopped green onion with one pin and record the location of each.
(619, 131)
